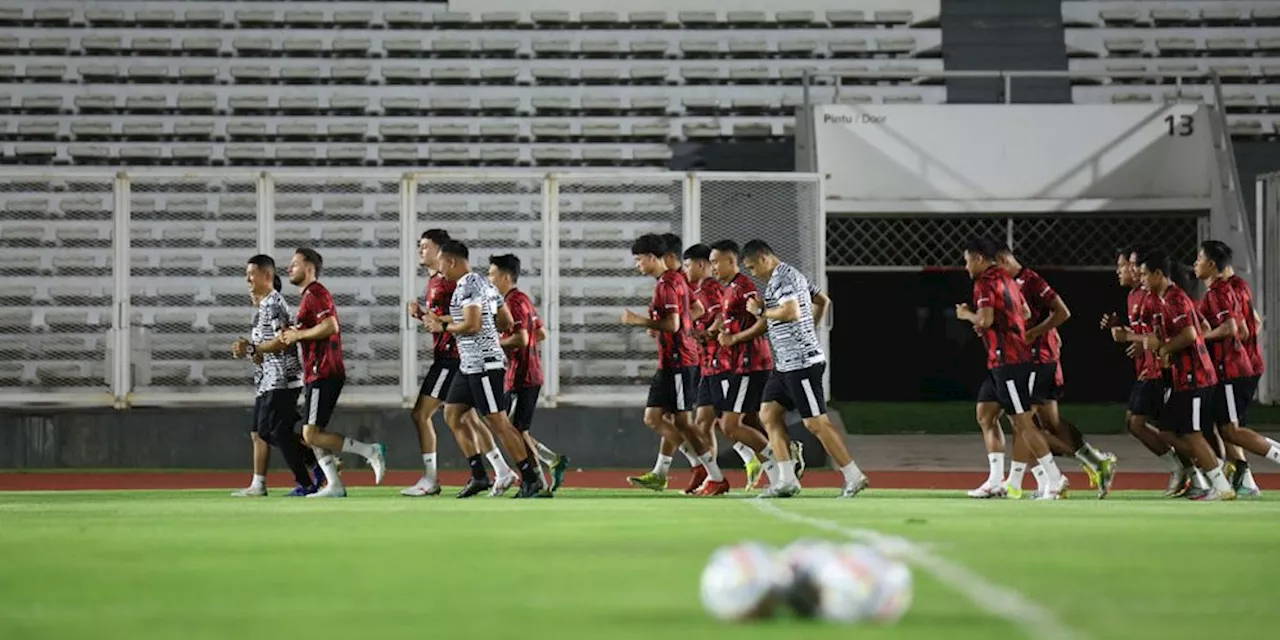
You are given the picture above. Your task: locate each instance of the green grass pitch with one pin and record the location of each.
(603, 565)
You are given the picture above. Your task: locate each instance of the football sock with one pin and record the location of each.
(357, 447)
(771, 471)
(1016, 471)
(1237, 475)
(663, 466)
(1087, 458)
(996, 472)
(787, 473)
(1248, 482)
(329, 464)
(528, 472)
(690, 455)
(499, 464)
(1218, 479)
(708, 460)
(1197, 479)
(1052, 475)
(852, 473)
(429, 463)
(744, 452)
(1040, 475)
(259, 481)
(476, 463)
(1171, 460)
(768, 453)
(1274, 453)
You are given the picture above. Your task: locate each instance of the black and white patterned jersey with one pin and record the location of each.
(480, 351)
(283, 369)
(795, 344)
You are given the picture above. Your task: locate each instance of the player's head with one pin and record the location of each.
(305, 266)
(1127, 266)
(1212, 258)
(697, 262)
(1006, 259)
(1155, 270)
(455, 259)
(649, 250)
(429, 247)
(276, 285)
(980, 254)
(671, 250)
(758, 257)
(260, 273)
(724, 259)
(504, 271)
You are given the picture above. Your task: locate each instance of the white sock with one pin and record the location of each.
(708, 460)
(689, 455)
(1016, 471)
(744, 452)
(1247, 481)
(1218, 479)
(663, 466)
(768, 453)
(259, 480)
(1091, 451)
(787, 473)
(852, 473)
(357, 447)
(771, 471)
(1197, 479)
(996, 473)
(1040, 475)
(329, 464)
(1171, 460)
(429, 463)
(1052, 474)
(500, 467)
(1274, 453)
(545, 454)
(1086, 459)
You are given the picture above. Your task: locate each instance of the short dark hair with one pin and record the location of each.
(438, 236)
(276, 283)
(726, 246)
(508, 263)
(756, 248)
(263, 261)
(671, 244)
(456, 249)
(1156, 260)
(312, 257)
(1129, 250)
(985, 247)
(649, 244)
(1217, 252)
(698, 252)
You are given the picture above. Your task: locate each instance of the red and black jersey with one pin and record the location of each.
(753, 355)
(439, 296)
(1218, 305)
(321, 359)
(710, 294)
(671, 295)
(1039, 295)
(1006, 338)
(1191, 367)
(1142, 309)
(1245, 294)
(524, 364)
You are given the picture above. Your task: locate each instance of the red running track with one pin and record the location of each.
(594, 479)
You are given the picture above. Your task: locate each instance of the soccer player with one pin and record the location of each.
(1000, 315)
(473, 438)
(673, 387)
(474, 320)
(1148, 392)
(319, 333)
(706, 296)
(1224, 316)
(1243, 481)
(744, 353)
(1178, 338)
(792, 309)
(523, 380)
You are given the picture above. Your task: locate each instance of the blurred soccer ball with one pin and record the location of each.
(845, 583)
(741, 582)
(799, 563)
(893, 588)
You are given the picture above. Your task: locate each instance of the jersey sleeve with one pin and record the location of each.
(1041, 290)
(790, 286)
(1218, 306)
(520, 316)
(713, 301)
(665, 299)
(278, 316)
(1180, 314)
(469, 292)
(984, 294)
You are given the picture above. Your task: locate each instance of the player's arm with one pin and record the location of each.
(542, 334)
(1058, 314)
(504, 321)
(1221, 332)
(669, 323)
(983, 318)
(756, 330)
(276, 343)
(820, 305)
(324, 329)
(471, 321)
(519, 332)
(1184, 338)
(518, 339)
(1216, 307)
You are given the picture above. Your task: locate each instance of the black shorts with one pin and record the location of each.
(673, 390)
(744, 392)
(438, 379)
(521, 403)
(712, 390)
(1146, 398)
(1046, 384)
(275, 413)
(800, 390)
(1231, 400)
(322, 398)
(1188, 412)
(1014, 387)
(480, 391)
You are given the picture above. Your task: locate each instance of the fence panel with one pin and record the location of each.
(56, 232)
(353, 221)
(601, 361)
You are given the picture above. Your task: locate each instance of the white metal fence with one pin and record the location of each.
(150, 264)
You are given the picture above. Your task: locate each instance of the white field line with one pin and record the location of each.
(1033, 619)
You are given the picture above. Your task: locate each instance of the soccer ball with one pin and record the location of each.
(740, 582)
(799, 563)
(893, 588)
(844, 583)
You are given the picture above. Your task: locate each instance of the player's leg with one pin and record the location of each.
(491, 406)
(773, 413)
(1021, 460)
(261, 459)
(1013, 384)
(661, 401)
(430, 399)
(805, 389)
(282, 414)
(522, 404)
(1231, 406)
(457, 406)
(1188, 415)
(704, 422)
(322, 399)
(476, 429)
(739, 397)
(988, 415)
